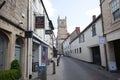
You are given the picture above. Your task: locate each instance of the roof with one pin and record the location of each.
(50, 22)
(87, 27)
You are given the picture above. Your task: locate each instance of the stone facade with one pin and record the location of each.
(62, 33)
(13, 23)
(111, 23)
(19, 37)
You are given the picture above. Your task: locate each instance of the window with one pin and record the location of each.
(77, 50)
(71, 51)
(115, 10)
(34, 1)
(81, 38)
(80, 49)
(93, 30)
(11, 1)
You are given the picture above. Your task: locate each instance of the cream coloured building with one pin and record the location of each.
(40, 44)
(89, 44)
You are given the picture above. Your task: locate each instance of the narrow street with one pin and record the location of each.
(72, 69)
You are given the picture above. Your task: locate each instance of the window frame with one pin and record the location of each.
(94, 30)
(80, 49)
(11, 1)
(115, 10)
(81, 38)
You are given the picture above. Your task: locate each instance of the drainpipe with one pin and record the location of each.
(27, 65)
(29, 43)
(104, 36)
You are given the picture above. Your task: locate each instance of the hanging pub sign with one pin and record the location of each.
(48, 31)
(40, 22)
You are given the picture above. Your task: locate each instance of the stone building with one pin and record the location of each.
(62, 33)
(13, 24)
(111, 25)
(23, 36)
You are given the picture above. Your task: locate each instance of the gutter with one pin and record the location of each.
(47, 15)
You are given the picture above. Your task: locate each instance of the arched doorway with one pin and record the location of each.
(18, 50)
(3, 48)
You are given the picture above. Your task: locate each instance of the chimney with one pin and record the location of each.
(94, 17)
(77, 30)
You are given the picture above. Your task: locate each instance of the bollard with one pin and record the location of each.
(58, 62)
(54, 71)
(44, 74)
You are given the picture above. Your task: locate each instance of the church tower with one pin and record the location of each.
(62, 33)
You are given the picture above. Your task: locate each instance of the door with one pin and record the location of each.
(96, 55)
(2, 52)
(117, 52)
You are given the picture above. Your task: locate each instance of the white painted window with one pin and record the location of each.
(93, 30)
(115, 10)
(80, 50)
(81, 38)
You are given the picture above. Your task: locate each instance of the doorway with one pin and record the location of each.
(96, 55)
(3, 47)
(117, 52)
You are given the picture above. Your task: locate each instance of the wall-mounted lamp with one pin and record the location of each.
(2, 4)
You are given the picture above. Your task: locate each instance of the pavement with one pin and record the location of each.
(61, 73)
(58, 73)
(50, 76)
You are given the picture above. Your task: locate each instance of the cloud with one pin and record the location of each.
(49, 7)
(95, 11)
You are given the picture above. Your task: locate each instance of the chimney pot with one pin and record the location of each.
(94, 17)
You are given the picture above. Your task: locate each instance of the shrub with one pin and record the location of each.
(8, 74)
(12, 74)
(15, 65)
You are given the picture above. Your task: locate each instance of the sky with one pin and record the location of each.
(78, 12)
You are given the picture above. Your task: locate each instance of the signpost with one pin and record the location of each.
(102, 40)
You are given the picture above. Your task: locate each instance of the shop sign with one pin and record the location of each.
(40, 22)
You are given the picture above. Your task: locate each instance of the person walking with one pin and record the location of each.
(58, 60)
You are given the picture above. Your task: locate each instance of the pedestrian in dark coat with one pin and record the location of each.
(58, 61)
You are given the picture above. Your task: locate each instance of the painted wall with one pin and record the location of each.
(90, 41)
